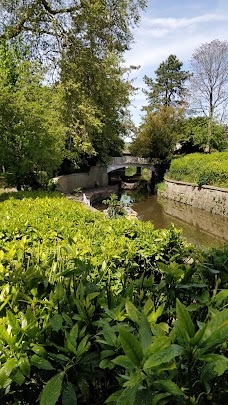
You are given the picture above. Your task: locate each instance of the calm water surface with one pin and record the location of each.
(199, 227)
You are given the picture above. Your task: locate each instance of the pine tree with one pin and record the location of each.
(168, 87)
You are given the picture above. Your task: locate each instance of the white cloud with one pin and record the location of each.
(170, 23)
(160, 35)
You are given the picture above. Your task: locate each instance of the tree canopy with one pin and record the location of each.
(169, 86)
(79, 44)
(194, 136)
(161, 127)
(32, 134)
(51, 24)
(158, 134)
(209, 83)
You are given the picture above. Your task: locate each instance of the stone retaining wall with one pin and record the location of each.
(208, 198)
(96, 177)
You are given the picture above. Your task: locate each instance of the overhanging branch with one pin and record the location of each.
(52, 11)
(26, 17)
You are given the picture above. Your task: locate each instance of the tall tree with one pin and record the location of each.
(158, 134)
(168, 88)
(32, 135)
(86, 40)
(96, 90)
(209, 83)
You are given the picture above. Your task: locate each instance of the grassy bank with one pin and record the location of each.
(202, 169)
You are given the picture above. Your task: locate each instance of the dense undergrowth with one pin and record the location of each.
(96, 310)
(202, 169)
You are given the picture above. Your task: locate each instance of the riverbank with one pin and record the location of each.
(90, 196)
(208, 198)
(199, 227)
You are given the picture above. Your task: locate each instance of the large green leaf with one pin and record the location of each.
(216, 331)
(168, 386)
(163, 356)
(220, 297)
(73, 335)
(198, 335)
(109, 335)
(13, 322)
(83, 346)
(184, 326)
(6, 337)
(38, 349)
(124, 361)
(132, 312)
(81, 309)
(41, 363)
(149, 304)
(127, 396)
(24, 365)
(155, 314)
(56, 322)
(173, 270)
(217, 365)
(162, 399)
(52, 390)
(69, 395)
(6, 370)
(159, 344)
(131, 347)
(145, 334)
(18, 377)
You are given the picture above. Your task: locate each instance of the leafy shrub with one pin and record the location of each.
(201, 169)
(161, 186)
(99, 311)
(115, 207)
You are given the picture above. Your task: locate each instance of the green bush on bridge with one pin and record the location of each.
(202, 169)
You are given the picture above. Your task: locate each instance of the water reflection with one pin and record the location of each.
(199, 227)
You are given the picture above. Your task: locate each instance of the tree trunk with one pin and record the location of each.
(209, 130)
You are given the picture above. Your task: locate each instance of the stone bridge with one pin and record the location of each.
(127, 161)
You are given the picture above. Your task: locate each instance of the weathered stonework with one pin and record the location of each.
(207, 198)
(96, 177)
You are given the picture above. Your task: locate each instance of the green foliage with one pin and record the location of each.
(32, 135)
(161, 186)
(158, 134)
(168, 88)
(202, 169)
(195, 135)
(85, 111)
(99, 311)
(96, 98)
(115, 207)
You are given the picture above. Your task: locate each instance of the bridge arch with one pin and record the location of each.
(127, 161)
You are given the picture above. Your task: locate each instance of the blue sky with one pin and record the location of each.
(176, 27)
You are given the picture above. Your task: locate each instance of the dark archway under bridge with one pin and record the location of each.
(117, 165)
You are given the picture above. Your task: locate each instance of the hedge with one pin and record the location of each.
(202, 169)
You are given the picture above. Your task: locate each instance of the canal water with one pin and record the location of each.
(199, 227)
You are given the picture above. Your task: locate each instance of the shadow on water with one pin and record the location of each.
(199, 227)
